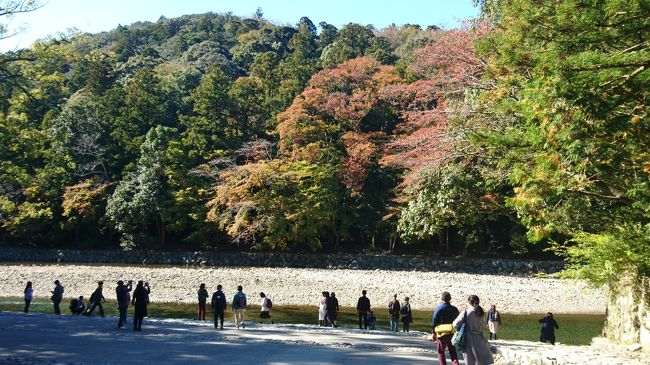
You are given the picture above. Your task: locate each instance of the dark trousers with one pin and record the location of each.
(218, 319)
(445, 342)
(405, 326)
(97, 303)
(201, 315)
(122, 320)
(363, 318)
(137, 322)
(57, 309)
(27, 303)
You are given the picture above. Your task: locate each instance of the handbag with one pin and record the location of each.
(460, 338)
(444, 329)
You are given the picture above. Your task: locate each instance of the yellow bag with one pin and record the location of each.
(444, 330)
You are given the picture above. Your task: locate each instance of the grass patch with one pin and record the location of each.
(575, 329)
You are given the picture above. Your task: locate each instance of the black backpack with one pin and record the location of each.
(405, 310)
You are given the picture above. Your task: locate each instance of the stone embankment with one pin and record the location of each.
(277, 260)
(294, 286)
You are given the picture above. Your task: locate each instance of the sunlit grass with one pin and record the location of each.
(575, 329)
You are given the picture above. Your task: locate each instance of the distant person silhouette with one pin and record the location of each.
(363, 306)
(140, 301)
(202, 294)
(549, 325)
(218, 306)
(96, 300)
(29, 294)
(57, 297)
(239, 307)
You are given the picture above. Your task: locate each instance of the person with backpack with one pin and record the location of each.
(549, 325)
(96, 298)
(441, 321)
(122, 293)
(494, 321)
(393, 313)
(363, 306)
(239, 307)
(57, 297)
(77, 306)
(265, 308)
(203, 298)
(407, 317)
(29, 295)
(218, 307)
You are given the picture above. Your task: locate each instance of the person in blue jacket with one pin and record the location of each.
(445, 313)
(239, 307)
(218, 307)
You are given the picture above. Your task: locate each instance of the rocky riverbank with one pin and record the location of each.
(512, 294)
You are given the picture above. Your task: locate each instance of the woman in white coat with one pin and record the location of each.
(477, 351)
(322, 309)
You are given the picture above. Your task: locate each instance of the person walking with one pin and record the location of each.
(122, 293)
(265, 308)
(96, 299)
(322, 310)
(549, 325)
(29, 295)
(363, 306)
(203, 298)
(239, 307)
(331, 307)
(218, 306)
(57, 297)
(407, 316)
(393, 313)
(140, 302)
(441, 321)
(477, 351)
(494, 321)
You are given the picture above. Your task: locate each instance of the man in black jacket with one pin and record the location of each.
(96, 299)
(363, 306)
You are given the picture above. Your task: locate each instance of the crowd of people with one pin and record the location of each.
(447, 321)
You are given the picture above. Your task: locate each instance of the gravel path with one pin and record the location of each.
(303, 286)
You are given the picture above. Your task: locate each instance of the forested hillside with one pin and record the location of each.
(216, 131)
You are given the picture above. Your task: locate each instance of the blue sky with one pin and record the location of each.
(100, 15)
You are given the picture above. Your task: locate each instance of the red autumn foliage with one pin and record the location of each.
(448, 68)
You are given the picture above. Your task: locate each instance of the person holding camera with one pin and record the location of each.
(122, 291)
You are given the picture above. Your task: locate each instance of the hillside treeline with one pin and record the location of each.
(216, 131)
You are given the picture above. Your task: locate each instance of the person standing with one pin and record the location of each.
(444, 314)
(96, 298)
(140, 302)
(122, 293)
(29, 295)
(218, 306)
(331, 307)
(203, 298)
(336, 308)
(393, 313)
(57, 297)
(549, 325)
(239, 307)
(322, 310)
(363, 306)
(407, 316)
(477, 351)
(494, 321)
(265, 308)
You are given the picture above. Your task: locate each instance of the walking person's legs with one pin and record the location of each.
(57, 309)
(362, 318)
(27, 302)
(221, 319)
(101, 308)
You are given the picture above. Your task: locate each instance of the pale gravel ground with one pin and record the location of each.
(303, 286)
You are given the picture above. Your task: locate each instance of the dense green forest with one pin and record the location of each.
(526, 125)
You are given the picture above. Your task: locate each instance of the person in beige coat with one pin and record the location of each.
(477, 351)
